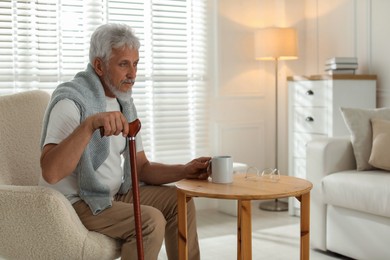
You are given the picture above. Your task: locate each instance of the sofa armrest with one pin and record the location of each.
(40, 223)
(325, 156)
(328, 155)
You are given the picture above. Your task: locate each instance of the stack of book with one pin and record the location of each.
(341, 65)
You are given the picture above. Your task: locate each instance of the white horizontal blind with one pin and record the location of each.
(170, 93)
(46, 42)
(43, 43)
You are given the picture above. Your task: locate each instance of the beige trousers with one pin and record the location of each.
(159, 221)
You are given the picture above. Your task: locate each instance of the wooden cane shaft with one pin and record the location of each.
(136, 199)
(134, 128)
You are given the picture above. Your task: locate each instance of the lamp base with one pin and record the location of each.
(275, 205)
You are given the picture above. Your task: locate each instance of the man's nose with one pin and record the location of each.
(132, 71)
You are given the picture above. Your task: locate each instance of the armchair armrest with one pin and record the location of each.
(40, 223)
(325, 156)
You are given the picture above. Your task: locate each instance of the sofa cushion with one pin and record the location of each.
(380, 156)
(358, 121)
(365, 191)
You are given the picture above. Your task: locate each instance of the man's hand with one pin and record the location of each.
(197, 168)
(110, 123)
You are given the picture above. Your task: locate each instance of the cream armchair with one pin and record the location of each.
(37, 222)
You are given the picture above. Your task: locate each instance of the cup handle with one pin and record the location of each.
(209, 168)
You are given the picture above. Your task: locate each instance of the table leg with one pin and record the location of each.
(182, 224)
(239, 254)
(244, 230)
(305, 226)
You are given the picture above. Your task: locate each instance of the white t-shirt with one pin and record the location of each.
(64, 119)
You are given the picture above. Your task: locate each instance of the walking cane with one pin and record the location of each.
(134, 128)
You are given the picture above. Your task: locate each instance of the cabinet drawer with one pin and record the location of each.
(310, 93)
(310, 120)
(300, 141)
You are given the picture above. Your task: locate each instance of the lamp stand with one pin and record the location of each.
(275, 205)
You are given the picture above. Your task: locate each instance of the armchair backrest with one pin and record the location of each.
(21, 117)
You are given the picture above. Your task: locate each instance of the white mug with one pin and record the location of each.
(222, 169)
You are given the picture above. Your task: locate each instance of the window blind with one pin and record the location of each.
(46, 42)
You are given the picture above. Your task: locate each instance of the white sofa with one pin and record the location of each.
(350, 209)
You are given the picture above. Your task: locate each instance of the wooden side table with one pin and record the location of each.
(244, 190)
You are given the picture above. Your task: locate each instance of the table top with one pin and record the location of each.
(253, 188)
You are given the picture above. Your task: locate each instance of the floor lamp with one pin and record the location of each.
(276, 44)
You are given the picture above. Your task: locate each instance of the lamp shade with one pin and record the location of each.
(276, 43)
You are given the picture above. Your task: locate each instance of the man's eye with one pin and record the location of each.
(123, 64)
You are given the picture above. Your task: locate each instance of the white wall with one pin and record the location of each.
(243, 101)
(350, 28)
(379, 48)
(242, 97)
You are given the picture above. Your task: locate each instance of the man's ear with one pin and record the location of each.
(98, 66)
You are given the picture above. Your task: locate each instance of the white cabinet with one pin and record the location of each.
(314, 111)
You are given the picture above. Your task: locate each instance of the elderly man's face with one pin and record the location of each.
(119, 74)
